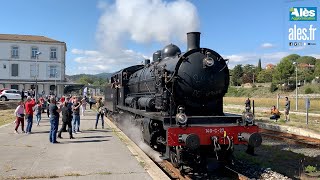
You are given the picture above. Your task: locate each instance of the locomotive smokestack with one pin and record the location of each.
(193, 39)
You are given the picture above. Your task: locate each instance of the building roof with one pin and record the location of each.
(270, 66)
(29, 38)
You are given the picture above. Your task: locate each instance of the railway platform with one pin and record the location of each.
(93, 154)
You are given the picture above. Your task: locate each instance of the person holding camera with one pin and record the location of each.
(29, 113)
(100, 112)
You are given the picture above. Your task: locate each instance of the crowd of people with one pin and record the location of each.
(69, 108)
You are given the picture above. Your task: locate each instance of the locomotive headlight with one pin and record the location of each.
(248, 118)
(181, 118)
(208, 61)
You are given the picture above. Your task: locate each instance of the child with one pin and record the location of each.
(37, 111)
(19, 113)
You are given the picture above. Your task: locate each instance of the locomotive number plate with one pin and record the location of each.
(214, 130)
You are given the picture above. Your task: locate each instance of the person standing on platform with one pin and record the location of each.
(29, 113)
(76, 116)
(83, 105)
(54, 120)
(22, 95)
(100, 112)
(19, 113)
(66, 119)
(91, 101)
(48, 103)
(37, 111)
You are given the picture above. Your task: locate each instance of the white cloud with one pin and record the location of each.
(317, 56)
(267, 45)
(93, 62)
(297, 48)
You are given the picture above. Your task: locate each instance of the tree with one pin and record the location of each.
(259, 68)
(237, 73)
(317, 68)
(292, 57)
(307, 60)
(85, 80)
(283, 70)
(265, 76)
(306, 74)
(248, 73)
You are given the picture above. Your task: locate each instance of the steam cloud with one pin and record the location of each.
(126, 123)
(145, 21)
(125, 23)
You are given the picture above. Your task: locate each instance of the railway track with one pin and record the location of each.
(291, 138)
(174, 173)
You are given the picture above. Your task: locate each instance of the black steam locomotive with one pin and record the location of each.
(178, 101)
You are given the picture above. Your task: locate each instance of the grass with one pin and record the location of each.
(6, 116)
(72, 174)
(142, 164)
(298, 121)
(104, 173)
(269, 102)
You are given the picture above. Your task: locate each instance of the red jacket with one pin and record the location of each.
(29, 105)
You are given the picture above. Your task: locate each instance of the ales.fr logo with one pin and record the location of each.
(303, 14)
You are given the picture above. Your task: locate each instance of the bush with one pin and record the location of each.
(273, 87)
(310, 169)
(308, 91)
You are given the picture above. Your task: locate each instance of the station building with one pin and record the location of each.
(28, 61)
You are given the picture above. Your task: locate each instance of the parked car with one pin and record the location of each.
(2, 89)
(10, 94)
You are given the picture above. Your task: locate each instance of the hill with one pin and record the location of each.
(75, 78)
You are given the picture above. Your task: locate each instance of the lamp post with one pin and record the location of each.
(36, 91)
(296, 64)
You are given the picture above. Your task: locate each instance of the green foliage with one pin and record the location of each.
(265, 76)
(237, 73)
(248, 73)
(273, 87)
(306, 60)
(308, 91)
(317, 68)
(92, 80)
(283, 70)
(292, 57)
(259, 68)
(85, 80)
(306, 74)
(310, 169)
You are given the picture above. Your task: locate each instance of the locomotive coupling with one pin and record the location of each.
(253, 139)
(191, 141)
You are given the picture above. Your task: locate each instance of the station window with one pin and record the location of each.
(14, 70)
(14, 86)
(15, 52)
(53, 72)
(34, 51)
(53, 53)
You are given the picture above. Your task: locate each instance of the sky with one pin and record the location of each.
(107, 35)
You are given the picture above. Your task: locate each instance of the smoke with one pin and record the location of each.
(145, 21)
(127, 124)
(127, 28)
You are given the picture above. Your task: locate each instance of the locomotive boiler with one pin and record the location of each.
(178, 102)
